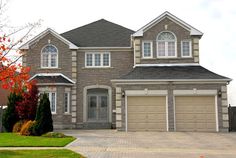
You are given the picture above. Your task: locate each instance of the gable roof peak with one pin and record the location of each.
(44, 33)
(193, 31)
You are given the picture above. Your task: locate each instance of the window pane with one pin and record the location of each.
(53, 102)
(186, 48)
(106, 59)
(171, 48)
(97, 59)
(45, 60)
(66, 102)
(161, 48)
(89, 59)
(53, 60)
(147, 49)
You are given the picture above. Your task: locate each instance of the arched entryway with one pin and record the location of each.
(97, 104)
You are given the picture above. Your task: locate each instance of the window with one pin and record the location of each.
(147, 49)
(67, 102)
(97, 59)
(49, 57)
(166, 45)
(52, 99)
(186, 48)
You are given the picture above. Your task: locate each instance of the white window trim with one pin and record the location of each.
(166, 46)
(49, 97)
(151, 45)
(49, 59)
(68, 103)
(190, 49)
(101, 59)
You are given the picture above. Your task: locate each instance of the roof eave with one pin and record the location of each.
(171, 80)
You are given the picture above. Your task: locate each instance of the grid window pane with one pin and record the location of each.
(106, 59)
(49, 56)
(53, 102)
(89, 59)
(53, 60)
(97, 59)
(171, 48)
(186, 48)
(147, 49)
(161, 48)
(45, 60)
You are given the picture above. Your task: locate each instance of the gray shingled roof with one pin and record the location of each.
(101, 33)
(172, 72)
(52, 79)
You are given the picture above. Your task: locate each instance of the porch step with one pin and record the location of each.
(97, 125)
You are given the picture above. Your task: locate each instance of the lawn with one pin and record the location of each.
(15, 140)
(62, 153)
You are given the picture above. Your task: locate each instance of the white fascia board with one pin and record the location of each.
(174, 64)
(193, 31)
(42, 34)
(52, 74)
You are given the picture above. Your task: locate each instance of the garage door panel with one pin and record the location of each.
(146, 113)
(195, 113)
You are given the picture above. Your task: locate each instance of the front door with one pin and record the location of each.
(97, 108)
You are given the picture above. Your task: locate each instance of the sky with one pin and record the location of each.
(215, 18)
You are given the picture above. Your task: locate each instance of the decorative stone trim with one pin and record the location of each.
(118, 108)
(196, 50)
(137, 52)
(224, 104)
(74, 88)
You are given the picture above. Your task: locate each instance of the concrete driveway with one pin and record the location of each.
(113, 144)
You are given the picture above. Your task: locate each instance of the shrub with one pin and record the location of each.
(54, 135)
(10, 117)
(17, 126)
(26, 129)
(27, 107)
(43, 118)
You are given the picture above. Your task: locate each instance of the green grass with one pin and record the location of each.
(15, 140)
(60, 153)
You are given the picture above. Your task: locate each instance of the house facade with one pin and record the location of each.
(103, 75)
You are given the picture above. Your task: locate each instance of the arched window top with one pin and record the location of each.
(49, 57)
(49, 49)
(166, 36)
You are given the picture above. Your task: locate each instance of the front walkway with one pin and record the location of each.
(113, 144)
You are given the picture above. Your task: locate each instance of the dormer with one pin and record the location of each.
(166, 40)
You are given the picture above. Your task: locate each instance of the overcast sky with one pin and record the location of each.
(215, 18)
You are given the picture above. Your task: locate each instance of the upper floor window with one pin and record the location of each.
(166, 45)
(99, 59)
(147, 49)
(49, 57)
(186, 47)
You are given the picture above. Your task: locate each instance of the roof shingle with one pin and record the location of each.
(171, 72)
(101, 33)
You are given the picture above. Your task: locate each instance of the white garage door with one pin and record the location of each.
(195, 113)
(146, 113)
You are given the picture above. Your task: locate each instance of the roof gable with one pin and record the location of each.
(101, 33)
(43, 34)
(193, 31)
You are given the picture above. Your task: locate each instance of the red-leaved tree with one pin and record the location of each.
(26, 108)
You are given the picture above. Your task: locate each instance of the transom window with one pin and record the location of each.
(186, 48)
(147, 49)
(97, 59)
(49, 57)
(166, 45)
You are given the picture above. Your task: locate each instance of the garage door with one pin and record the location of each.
(146, 113)
(195, 113)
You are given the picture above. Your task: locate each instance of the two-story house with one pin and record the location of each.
(103, 75)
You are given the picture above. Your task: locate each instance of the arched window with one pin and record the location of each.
(49, 57)
(166, 45)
